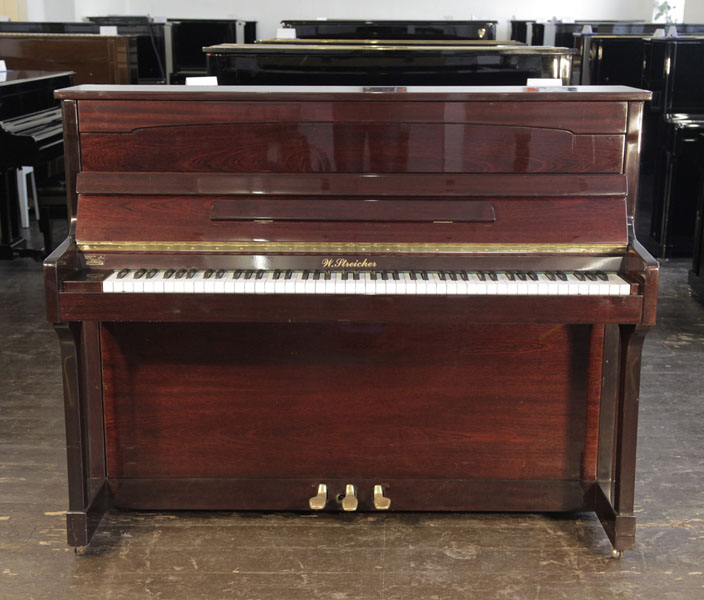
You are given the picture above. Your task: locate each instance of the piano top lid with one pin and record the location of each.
(430, 46)
(354, 93)
(21, 76)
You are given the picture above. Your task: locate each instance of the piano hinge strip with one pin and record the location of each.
(349, 247)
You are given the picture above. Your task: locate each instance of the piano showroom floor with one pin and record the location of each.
(291, 556)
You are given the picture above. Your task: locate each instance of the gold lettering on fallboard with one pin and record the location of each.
(343, 263)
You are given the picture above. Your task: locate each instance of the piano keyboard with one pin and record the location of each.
(243, 281)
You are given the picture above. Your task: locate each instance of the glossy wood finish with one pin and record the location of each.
(579, 117)
(219, 308)
(353, 148)
(344, 400)
(223, 493)
(450, 403)
(93, 58)
(188, 219)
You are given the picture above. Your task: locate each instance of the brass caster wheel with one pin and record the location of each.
(616, 554)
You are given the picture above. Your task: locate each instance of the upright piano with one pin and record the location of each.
(318, 299)
(385, 65)
(30, 134)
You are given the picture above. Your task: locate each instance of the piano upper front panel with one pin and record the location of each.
(578, 117)
(184, 219)
(353, 148)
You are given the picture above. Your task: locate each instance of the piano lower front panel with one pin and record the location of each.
(255, 415)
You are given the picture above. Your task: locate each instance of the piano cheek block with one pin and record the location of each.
(361, 210)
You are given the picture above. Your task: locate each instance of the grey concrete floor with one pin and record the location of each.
(291, 556)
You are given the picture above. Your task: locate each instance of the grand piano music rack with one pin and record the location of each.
(347, 299)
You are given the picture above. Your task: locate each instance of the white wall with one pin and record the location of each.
(269, 13)
(694, 11)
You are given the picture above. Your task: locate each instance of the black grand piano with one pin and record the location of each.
(30, 134)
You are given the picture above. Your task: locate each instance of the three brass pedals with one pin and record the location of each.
(348, 500)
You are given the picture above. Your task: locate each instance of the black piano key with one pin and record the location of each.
(464, 275)
(192, 273)
(493, 275)
(511, 275)
(590, 276)
(385, 275)
(532, 275)
(560, 275)
(220, 273)
(414, 277)
(579, 275)
(328, 275)
(169, 273)
(372, 275)
(249, 274)
(550, 275)
(180, 274)
(424, 275)
(140, 273)
(306, 275)
(260, 274)
(277, 273)
(152, 273)
(123, 273)
(237, 274)
(521, 275)
(601, 275)
(355, 275)
(316, 275)
(453, 275)
(345, 275)
(289, 273)
(481, 275)
(441, 275)
(208, 273)
(395, 275)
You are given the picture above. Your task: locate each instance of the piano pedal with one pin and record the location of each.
(319, 501)
(349, 499)
(380, 501)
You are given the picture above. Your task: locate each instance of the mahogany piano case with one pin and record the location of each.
(314, 299)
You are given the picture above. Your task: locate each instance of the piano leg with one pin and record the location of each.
(89, 495)
(10, 233)
(617, 457)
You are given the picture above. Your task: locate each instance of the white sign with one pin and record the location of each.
(285, 33)
(537, 82)
(202, 80)
(108, 30)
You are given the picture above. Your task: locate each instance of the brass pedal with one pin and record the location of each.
(349, 501)
(381, 502)
(319, 501)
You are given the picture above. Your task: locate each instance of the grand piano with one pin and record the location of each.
(349, 299)
(30, 135)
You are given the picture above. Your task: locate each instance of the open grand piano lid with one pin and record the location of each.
(12, 77)
(374, 93)
(387, 46)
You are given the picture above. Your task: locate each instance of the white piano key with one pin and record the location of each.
(350, 284)
(309, 284)
(390, 284)
(421, 285)
(280, 283)
(320, 284)
(531, 286)
(109, 283)
(506, 286)
(451, 285)
(270, 282)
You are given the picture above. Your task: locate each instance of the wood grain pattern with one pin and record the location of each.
(352, 148)
(351, 184)
(220, 308)
(126, 116)
(346, 400)
(173, 218)
(410, 494)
